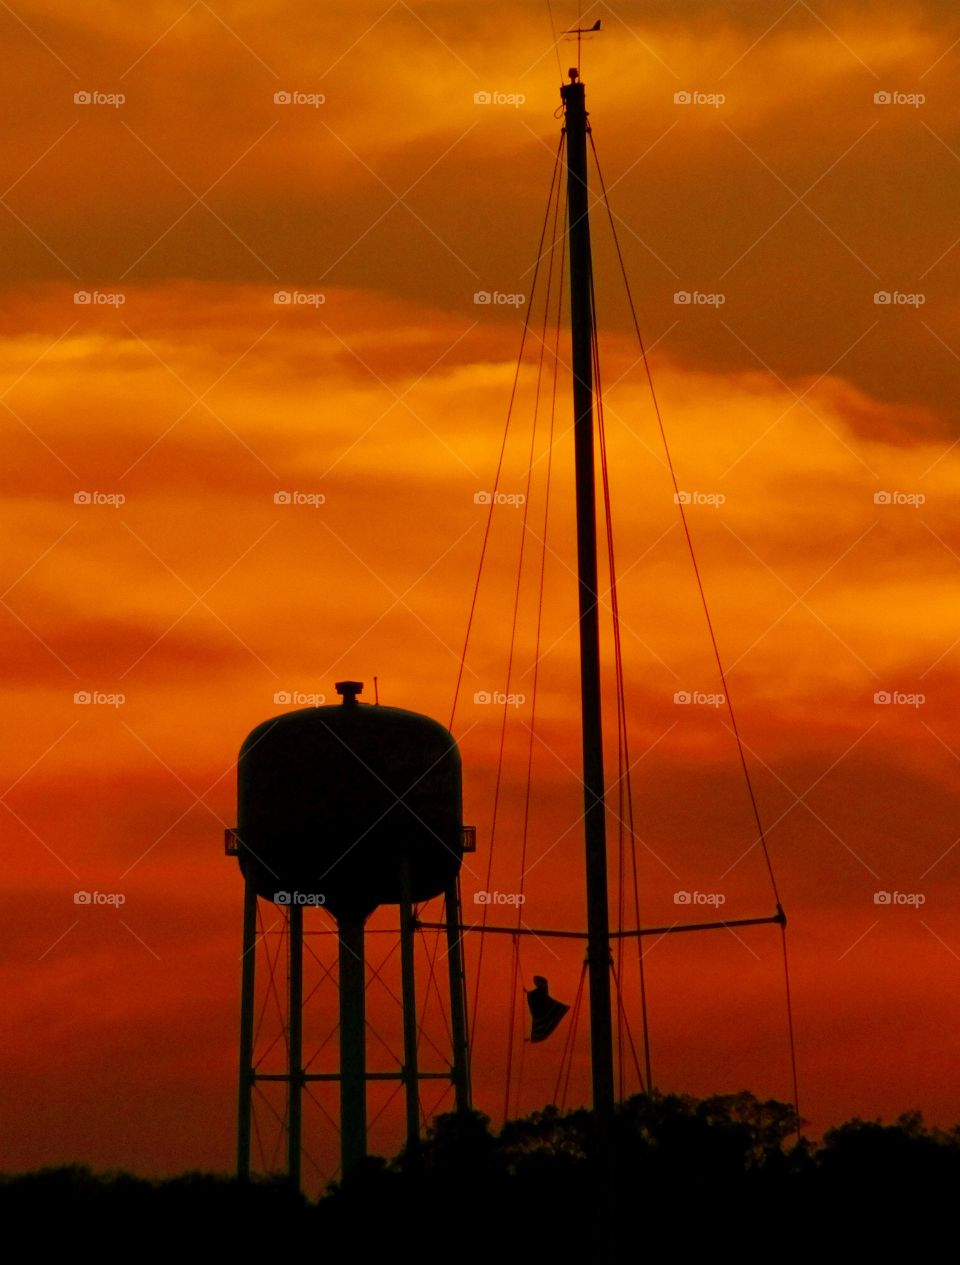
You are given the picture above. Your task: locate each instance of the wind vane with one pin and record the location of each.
(580, 31)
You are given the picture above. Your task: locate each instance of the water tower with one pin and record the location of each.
(342, 809)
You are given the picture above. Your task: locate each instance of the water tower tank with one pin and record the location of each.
(332, 800)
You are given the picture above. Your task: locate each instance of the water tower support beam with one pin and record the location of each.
(353, 1051)
(409, 998)
(295, 1051)
(247, 995)
(458, 997)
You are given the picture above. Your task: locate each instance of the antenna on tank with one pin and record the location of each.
(376, 692)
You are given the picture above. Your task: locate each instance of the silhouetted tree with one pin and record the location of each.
(696, 1174)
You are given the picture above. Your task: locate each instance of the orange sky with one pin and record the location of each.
(197, 398)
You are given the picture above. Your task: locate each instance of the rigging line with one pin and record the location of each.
(618, 949)
(506, 707)
(554, 183)
(626, 1020)
(625, 772)
(523, 1059)
(573, 1037)
(556, 39)
(566, 1043)
(623, 767)
(626, 818)
(549, 480)
(503, 730)
(641, 954)
(761, 836)
(503, 445)
(570, 1038)
(716, 651)
(526, 812)
(608, 524)
(793, 1047)
(511, 1028)
(543, 562)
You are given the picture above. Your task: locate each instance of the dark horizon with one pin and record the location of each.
(251, 437)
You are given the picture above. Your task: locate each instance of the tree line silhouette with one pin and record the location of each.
(728, 1172)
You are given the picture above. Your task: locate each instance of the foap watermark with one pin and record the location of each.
(498, 298)
(515, 499)
(99, 898)
(298, 698)
(516, 99)
(699, 498)
(313, 499)
(916, 99)
(699, 298)
(114, 499)
(316, 99)
(899, 498)
(299, 298)
(99, 298)
(487, 698)
(299, 898)
(898, 698)
(697, 698)
(900, 898)
(699, 898)
(716, 99)
(899, 298)
(97, 698)
(116, 99)
(499, 898)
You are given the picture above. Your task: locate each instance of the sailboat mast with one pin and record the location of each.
(581, 314)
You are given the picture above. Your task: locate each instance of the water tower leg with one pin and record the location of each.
(458, 998)
(248, 972)
(295, 1068)
(353, 1062)
(408, 992)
